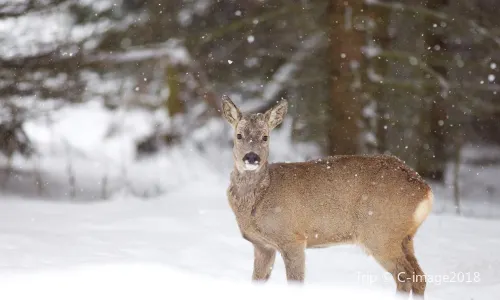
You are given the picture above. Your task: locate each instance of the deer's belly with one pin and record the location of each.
(318, 241)
(258, 238)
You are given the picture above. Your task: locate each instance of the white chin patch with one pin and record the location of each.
(251, 167)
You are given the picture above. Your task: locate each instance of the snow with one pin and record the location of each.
(373, 76)
(371, 51)
(21, 36)
(153, 282)
(188, 241)
(170, 50)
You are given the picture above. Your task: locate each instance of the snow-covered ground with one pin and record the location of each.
(160, 244)
(165, 230)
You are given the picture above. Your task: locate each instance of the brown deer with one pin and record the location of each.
(376, 202)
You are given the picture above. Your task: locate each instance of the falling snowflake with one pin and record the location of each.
(413, 61)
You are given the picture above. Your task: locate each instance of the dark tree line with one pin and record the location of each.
(412, 78)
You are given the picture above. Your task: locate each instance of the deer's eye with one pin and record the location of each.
(239, 136)
(264, 138)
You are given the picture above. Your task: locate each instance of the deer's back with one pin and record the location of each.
(345, 192)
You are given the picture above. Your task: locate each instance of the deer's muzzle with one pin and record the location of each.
(251, 160)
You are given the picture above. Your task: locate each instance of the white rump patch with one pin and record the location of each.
(423, 209)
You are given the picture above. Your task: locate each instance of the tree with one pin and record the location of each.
(432, 158)
(346, 97)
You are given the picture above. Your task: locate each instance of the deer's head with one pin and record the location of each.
(252, 133)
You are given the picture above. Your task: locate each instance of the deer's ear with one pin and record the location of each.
(275, 115)
(230, 112)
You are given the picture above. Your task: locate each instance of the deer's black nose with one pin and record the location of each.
(251, 158)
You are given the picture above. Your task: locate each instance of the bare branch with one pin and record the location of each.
(402, 7)
(453, 86)
(218, 32)
(283, 74)
(414, 60)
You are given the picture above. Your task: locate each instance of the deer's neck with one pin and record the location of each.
(248, 187)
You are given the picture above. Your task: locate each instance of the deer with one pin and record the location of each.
(375, 201)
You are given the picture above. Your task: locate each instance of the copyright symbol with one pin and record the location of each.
(387, 277)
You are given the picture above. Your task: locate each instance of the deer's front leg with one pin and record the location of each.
(294, 257)
(263, 262)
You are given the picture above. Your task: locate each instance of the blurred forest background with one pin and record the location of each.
(417, 79)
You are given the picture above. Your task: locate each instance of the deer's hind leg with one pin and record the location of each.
(391, 257)
(263, 262)
(419, 283)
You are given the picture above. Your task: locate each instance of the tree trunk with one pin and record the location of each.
(347, 40)
(174, 103)
(382, 40)
(432, 155)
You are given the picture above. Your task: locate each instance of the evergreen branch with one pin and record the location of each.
(417, 9)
